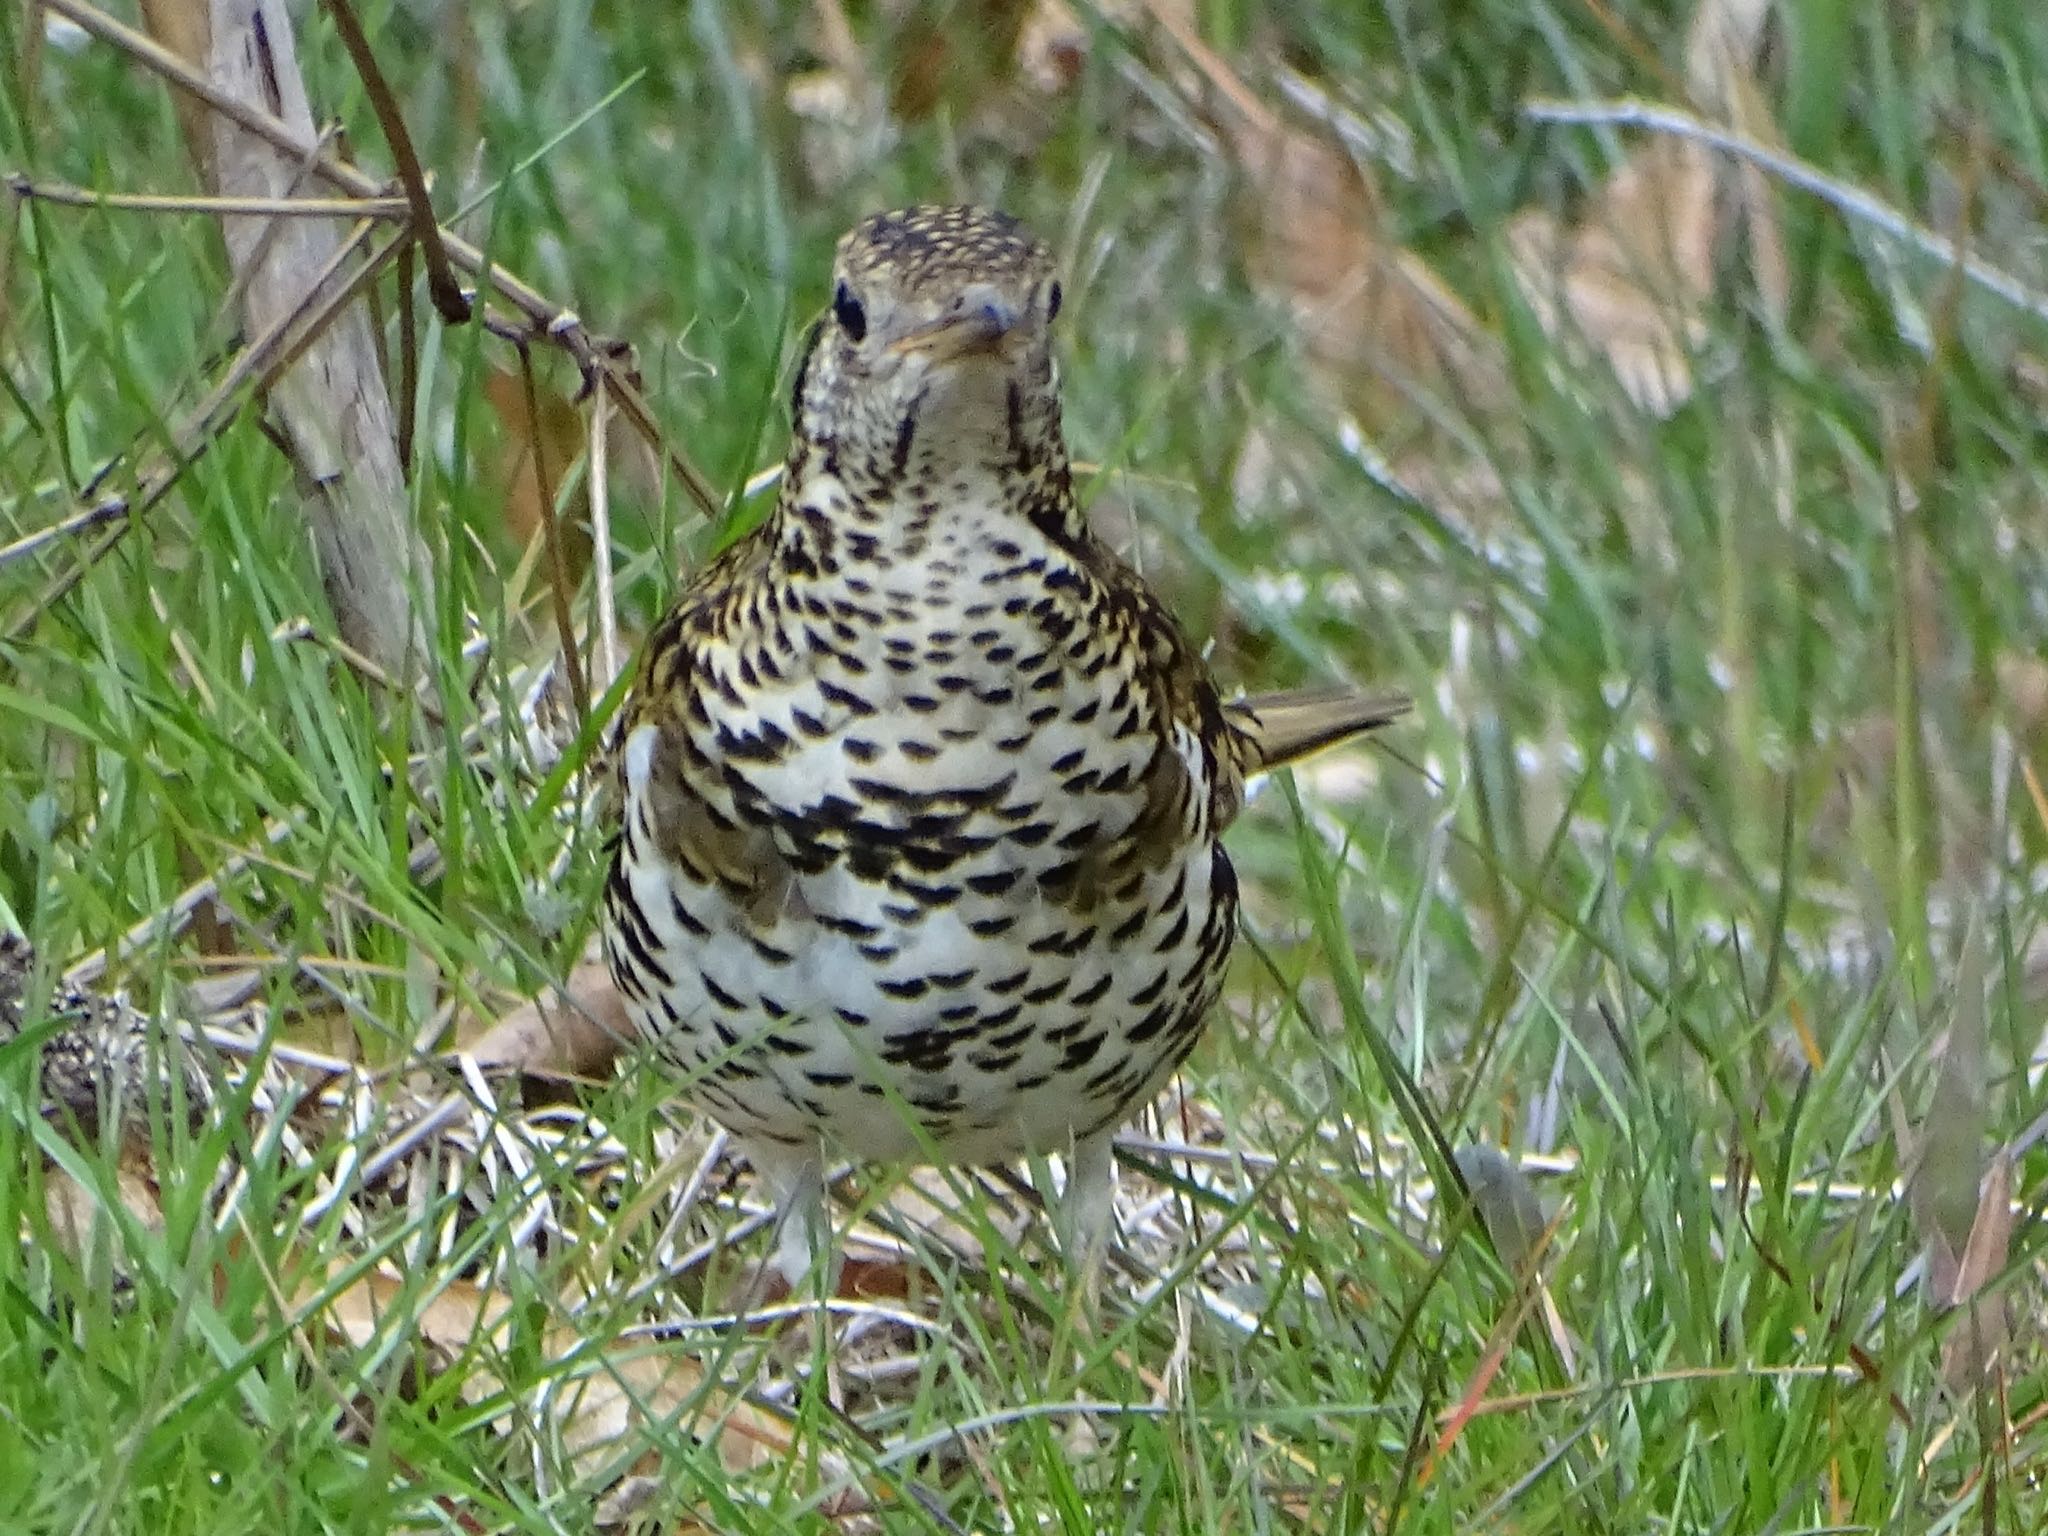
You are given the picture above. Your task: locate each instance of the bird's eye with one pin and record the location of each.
(1052, 301)
(851, 314)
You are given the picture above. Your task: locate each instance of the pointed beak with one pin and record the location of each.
(978, 326)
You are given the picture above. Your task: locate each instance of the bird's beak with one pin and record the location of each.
(979, 326)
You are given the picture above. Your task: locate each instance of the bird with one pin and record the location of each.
(106, 1068)
(918, 851)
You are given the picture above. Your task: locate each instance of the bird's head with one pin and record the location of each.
(935, 356)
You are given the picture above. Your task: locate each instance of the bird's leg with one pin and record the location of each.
(1085, 1209)
(805, 1251)
(803, 1227)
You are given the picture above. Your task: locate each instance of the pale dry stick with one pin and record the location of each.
(331, 414)
(260, 1047)
(685, 1201)
(446, 1111)
(195, 678)
(1849, 200)
(533, 1200)
(66, 195)
(548, 321)
(248, 261)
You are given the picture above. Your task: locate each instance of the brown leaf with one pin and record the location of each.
(576, 1030)
(2022, 678)
(1052, 47)
(1380, 327)
(1721, 47)
(1975, 1340)
(1506, 1201)
(1627, 282)
(1377, 320)
(952, 55)
(77, 1215)
(454, 1319)
(1947, 1182)
(1962, 1199)
(525, 484)
(1630, 281)
(601, 1394)
(627, 1385)
(183, 26)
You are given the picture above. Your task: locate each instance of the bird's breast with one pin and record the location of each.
(961, 863)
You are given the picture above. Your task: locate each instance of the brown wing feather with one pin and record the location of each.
(1275, 729)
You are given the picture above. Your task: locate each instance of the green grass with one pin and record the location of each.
(1715, 818)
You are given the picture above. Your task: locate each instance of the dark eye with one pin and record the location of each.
(849, 312)
(1052, 302)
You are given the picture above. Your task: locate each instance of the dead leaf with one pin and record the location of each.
(1961, 1198)
(1379, 323)
(1505, 1200)
(576, 1030)
(615, 1391)
(1721, 49)
(1949, 1173)
(952, 56)
(1052, 47)
(1975, 1341)
(1631, 280)
(1628, 281)
(454, 1319)
(2023, 689)
(598, 1395)
(185, 28)
(78, 1217)
(526, 485)
(1513, 1217)
(1381, 328)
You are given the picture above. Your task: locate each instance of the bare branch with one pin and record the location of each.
(65, 195)
(548, 321)
(447, 293)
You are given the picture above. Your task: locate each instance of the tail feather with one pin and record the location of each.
(1281, 728)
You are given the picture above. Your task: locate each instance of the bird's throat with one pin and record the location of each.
(928, 516)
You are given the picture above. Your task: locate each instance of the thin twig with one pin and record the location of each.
(1845, 198)
(447, 292)
(65, 195)
(549, 321)
(408, 366)
(601, 539)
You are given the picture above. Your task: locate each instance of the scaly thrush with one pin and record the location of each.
(923, 786)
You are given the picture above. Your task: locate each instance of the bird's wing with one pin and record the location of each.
(1284, 727)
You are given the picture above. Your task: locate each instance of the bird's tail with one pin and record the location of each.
(1282, 728)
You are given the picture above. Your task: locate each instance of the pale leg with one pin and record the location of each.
(1086, 1208)
(804, 1248)
(803, 1230)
